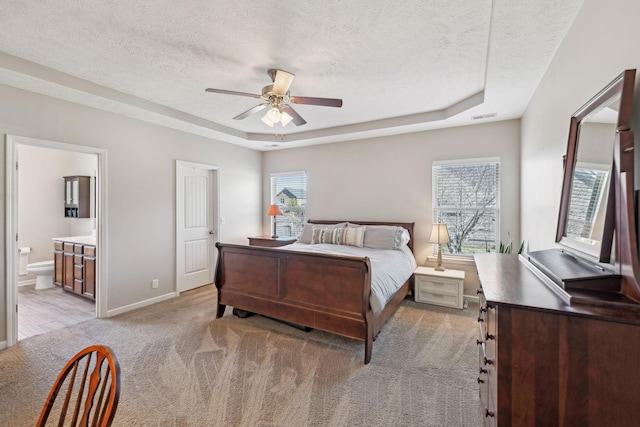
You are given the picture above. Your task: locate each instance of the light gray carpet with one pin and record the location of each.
(182, 367)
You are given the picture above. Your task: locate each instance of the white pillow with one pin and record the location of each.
(385, 237)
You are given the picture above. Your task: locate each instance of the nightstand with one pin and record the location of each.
(439, 287)
(270, 241)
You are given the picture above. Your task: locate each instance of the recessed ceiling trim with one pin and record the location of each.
(492, 53)
(393, 125)
(41, 79)
(54, 77)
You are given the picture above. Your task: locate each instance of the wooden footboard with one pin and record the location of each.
(327, 292)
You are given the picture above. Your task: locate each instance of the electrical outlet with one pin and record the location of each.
(154, 284)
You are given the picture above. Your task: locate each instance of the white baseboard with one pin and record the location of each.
(3, 345)
(27, 282)
(472, 298)
(130, 307)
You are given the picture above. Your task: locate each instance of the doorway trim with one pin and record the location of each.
(214, 191)
(11, 225)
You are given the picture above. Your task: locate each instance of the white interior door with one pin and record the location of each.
(196, 214)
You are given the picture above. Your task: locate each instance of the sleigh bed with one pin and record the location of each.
(330, 292)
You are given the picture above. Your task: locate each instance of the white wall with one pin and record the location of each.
(41, 198)
(140, 187)
(599, 46)
(389, 179)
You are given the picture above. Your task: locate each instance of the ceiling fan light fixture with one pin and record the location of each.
(285, 119)
(277, 97)
(266, 121)
(274, 115)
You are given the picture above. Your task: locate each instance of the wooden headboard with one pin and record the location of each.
(407, 225)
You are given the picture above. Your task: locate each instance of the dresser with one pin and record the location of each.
(543, 362)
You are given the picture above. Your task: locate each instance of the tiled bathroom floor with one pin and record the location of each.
(44, 310)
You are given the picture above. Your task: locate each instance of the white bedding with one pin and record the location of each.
(390, 268)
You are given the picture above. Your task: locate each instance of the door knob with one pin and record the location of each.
(212, 232)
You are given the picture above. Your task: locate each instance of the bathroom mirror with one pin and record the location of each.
(587, 216)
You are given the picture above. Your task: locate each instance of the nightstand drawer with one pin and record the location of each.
(447, 300)
(437, 285)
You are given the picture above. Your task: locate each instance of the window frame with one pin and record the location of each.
(496, 210)
(282, 222)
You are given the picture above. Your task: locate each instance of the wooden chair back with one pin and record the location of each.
(88, 387)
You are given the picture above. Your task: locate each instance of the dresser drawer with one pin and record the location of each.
(90, 251)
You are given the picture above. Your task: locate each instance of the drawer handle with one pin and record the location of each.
(489, 336)
(483, 309)
(479, 291)
(488, 413)
(479, 342)
(480, 380)
(480, 319)
(483, 371)
(488, 361)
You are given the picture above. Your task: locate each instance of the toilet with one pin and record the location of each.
(44, 273)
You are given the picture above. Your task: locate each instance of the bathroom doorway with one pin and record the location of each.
(37, 212)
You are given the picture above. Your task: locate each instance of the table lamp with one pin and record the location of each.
(274, 211)
(439, 235)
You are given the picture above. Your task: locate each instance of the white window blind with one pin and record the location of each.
(466, 197)
(586, 189)
(289, 192)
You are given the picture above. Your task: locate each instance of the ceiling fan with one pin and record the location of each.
(278, 98)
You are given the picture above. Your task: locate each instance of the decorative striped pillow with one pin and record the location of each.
(354, 236)
(334, 236)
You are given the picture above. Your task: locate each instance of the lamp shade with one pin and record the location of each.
(274, 210)
(439, 234)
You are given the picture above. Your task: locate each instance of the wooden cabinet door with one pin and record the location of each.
(68, 279)
(58, 268)
(89, 261)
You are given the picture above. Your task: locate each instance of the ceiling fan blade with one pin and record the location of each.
(250, 111)
(326, 102)
(282, 82)
(232, 92)
(297, 119)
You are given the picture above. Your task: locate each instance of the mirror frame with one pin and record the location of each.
(623, 85)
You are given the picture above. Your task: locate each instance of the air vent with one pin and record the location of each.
(484, 116)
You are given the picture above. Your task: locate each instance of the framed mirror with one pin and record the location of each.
(586, 221)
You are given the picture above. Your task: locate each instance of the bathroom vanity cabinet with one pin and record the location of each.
(75, 267)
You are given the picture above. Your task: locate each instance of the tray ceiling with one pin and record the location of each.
(422, 65)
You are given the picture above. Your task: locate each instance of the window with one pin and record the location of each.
(289, 192)
(466, 197)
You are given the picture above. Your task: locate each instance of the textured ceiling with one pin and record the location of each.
(398, 66)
